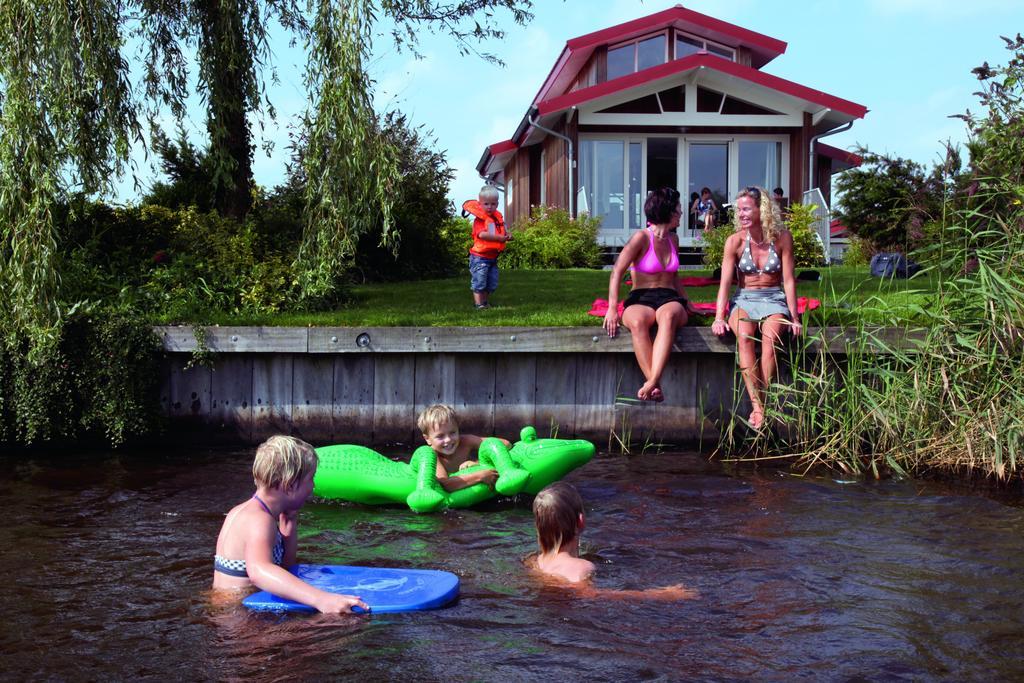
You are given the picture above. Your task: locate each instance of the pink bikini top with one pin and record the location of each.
(650, 264)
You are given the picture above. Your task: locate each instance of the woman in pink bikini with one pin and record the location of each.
(653, 256)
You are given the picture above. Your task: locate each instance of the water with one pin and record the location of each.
(108, 562)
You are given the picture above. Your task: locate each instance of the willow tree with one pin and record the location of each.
(68, 116)
(67, 121)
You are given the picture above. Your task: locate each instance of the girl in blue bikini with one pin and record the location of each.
(259, 537)
(657, 297)
(760, 254)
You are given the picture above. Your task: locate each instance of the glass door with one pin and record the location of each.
(708, 166)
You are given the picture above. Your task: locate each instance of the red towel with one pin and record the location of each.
(600, 306)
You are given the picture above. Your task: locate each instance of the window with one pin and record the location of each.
(602, 175)
(708, 101)
(661, 162)
(760, 163)
(734, 106)
(709, 167)
(687, 45)
(671, 100)
(636, 204)
(637, 55)
(642, 105)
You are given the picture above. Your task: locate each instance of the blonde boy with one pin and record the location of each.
(489, 238)
(440, 428)
(259, 537)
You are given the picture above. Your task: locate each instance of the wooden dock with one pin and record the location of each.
(366, 385)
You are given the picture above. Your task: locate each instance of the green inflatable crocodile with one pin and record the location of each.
(362, 475)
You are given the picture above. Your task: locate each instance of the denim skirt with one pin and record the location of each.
(760, 303)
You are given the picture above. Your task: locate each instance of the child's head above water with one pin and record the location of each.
(282, 462)
(435, 416)
(557, 513)
(440, 428)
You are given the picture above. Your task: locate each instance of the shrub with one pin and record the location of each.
(808, 251)
(859, 252)
(714, 244)
(98, 374)
(549, 238)
(456, 238)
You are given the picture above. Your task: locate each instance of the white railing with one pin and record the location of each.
(822, 219)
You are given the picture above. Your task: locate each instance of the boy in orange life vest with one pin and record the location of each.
(489, 238)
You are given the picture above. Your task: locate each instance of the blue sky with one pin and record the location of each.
(908, 61)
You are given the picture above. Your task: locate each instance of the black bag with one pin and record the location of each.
(892, 264)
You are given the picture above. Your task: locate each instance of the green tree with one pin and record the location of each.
(68, 116)
(886, 200)
(996, 143)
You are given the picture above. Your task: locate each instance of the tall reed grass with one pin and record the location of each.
(943, 395)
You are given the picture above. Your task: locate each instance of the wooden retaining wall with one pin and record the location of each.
(366, 385)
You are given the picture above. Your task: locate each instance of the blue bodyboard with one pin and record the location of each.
(384, 590)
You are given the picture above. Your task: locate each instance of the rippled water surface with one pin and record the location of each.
(108, 559)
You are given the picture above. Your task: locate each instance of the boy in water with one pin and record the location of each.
(489, 238)
(259, 537)
(440, 428)
(558, 517)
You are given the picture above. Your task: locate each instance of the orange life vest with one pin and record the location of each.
(485, 223)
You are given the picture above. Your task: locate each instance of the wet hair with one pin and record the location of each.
(488, 192)
(556, 514)
(282, 462)
(660, 205)
(771, 220)
(435, 416)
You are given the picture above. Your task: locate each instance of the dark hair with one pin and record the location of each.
(661, 204)
(778, 192)
(705, 189)
(556, 512)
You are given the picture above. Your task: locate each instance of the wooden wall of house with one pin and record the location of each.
(799, 143)
(556, 166)
(517, 177)
(824, 174)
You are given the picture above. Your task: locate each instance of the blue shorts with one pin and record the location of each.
(483, 273)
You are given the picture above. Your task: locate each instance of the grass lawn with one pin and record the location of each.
(563, 297)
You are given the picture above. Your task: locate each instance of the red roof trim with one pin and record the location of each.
(614, 33)
(502, 147)
(839, 154)
(594, 92)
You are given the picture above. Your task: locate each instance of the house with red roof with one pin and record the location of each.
(678, 99)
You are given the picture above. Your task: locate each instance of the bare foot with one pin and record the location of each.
(647, 392)
(756, 418)
(656, 395)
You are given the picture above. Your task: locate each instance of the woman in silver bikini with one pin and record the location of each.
(760, 253)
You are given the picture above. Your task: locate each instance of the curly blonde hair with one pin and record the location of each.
(771, 218)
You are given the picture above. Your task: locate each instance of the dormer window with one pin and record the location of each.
(636, 55)
(689, 45)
